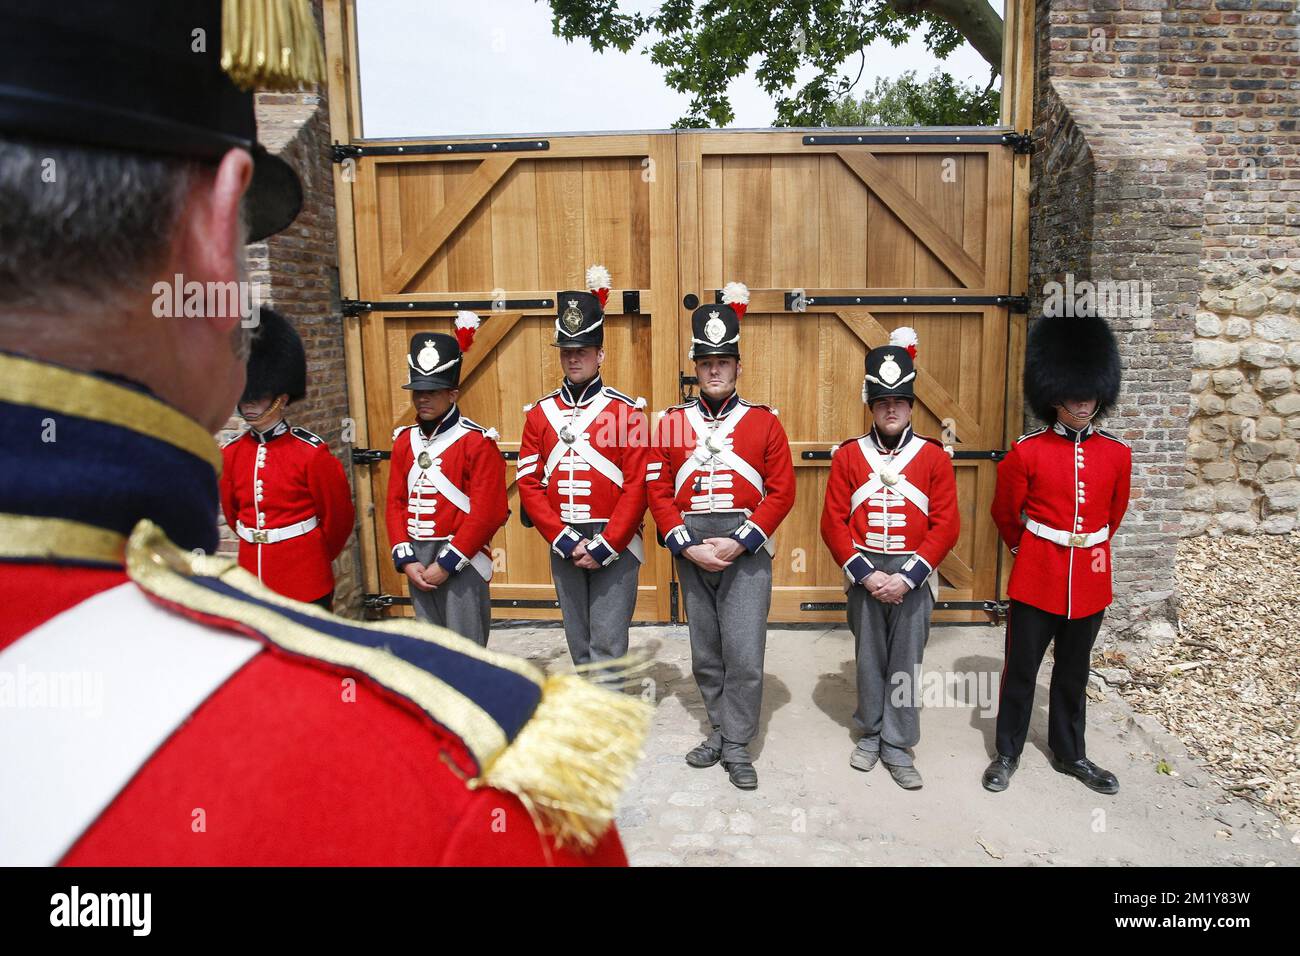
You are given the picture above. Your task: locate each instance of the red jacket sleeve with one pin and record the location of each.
(489, 507)
(333, 497)
(630, 509)
(835, 508)
(660, 473)
(229, 503)
(1009, 498)
(1119, 497)
(945, 520)
(778, 481)
(532, 496)
(399, 466)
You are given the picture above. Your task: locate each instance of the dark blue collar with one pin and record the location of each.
(447, 421)
(1070, 434)
(578, 396)
(102, 454)
(275, 431)
(731, 402)
(904, 437)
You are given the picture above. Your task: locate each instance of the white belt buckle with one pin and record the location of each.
(260, 537)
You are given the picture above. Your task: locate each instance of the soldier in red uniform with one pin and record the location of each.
(581, 475)
(889, 518)
(1062, 492)
(446, 491)
(211, 720)
(720, 482)
(282, 491)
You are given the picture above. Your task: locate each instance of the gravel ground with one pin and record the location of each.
(1229, 686)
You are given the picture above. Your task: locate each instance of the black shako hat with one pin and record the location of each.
(891, 369)
(146, 76)
(277, 362)
(1071, 358)
(715, 329)
(579, 321)
(580, 316)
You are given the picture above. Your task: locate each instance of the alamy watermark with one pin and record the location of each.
(1108, 299)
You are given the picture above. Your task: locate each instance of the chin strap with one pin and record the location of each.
(259, 423)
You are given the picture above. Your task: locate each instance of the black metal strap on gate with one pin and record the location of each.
(373, 456)
(797, 302)
(357, 306)
(997, 610)
(1019, 142)
(344, 151)
(381, 602)
(960, 454)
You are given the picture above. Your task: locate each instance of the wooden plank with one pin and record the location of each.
(607, 217)
(513, 207)
(422, 188)
(939, 189)
(747, 220)
(795, 234)
(842, 226)
(460, 203)
(914, 216)
(560, 239)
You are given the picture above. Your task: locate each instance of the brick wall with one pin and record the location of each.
(1167, 153)
(297, 273)
(1118, 183)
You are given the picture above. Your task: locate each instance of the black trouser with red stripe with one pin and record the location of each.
(1029, 631)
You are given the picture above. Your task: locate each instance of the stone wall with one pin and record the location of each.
(1233, 69)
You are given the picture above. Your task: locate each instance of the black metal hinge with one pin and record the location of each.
(344, 151)
(673, 615)
(1019, 142)
(358, 306)
(996, 610)
(381, 602)
(798, 301)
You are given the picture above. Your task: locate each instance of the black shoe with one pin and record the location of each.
(997, 775)
(704, 756)
(1088, 773)
(742, 775)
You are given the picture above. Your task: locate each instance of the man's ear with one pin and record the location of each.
(600, 357)
(210, 233)
(454, 393)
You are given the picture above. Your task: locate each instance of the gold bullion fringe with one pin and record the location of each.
(271, 44)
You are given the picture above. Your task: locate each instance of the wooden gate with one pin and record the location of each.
(499, 228)
(842, 238)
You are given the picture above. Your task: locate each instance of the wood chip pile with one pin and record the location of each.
(1229, 687)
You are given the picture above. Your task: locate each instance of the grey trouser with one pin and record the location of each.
(889, 642)
(461, 603)
(596, 605)
(727, 618)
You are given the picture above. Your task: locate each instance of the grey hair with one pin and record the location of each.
(83, 225)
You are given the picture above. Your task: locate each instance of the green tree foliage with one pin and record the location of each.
(702, 45)
(938, 101)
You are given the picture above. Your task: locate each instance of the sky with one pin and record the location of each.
(493, 67)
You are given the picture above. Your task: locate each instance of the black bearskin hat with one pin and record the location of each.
(1069, 358)
(277, 363)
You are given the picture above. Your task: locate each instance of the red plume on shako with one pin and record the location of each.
(467, 324)
(904, 336)
(598, 282)
(736, 295)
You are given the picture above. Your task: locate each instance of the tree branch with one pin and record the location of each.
(974, 19)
